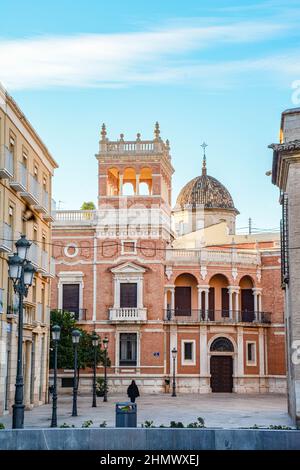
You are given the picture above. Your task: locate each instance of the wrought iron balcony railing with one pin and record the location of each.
(227, 316)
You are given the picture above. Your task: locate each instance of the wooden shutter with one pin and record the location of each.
(225, 302)
(211, 303)
(71, 297)
(247, 304)
(128, 295)
(183, 300)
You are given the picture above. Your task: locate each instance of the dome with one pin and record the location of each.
(206, 190)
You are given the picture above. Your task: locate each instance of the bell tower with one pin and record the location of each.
(135, 183)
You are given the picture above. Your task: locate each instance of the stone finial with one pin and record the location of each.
(204, 145)
(138, 137)
(103, 132)
(122, 137)
(157, 131)
(167, 144)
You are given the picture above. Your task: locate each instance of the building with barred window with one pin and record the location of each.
(151, 278)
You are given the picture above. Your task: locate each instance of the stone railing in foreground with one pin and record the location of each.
(209, 256)
(148, 439)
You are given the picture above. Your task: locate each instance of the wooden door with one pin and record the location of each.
(183, 301)
(247, 305)
(221, 374)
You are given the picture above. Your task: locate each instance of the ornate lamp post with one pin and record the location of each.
(174, 355)
(105, 345)
(56, 338)
(95, 343)
(21, 272)
(75, 341)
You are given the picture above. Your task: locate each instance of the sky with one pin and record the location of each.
(215, 71)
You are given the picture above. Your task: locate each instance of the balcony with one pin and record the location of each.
(216, 316)
(127, 314)
(212, 256)
(34, 256)
(1, 301)
(19, 179)
(47, 265)
(50, 216)
(43, 206)
(32, 194)
(39, 313)
(76, 217)
(6, 237)
(12, 307)
(6, 163)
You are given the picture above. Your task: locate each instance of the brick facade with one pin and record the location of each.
(91, 252)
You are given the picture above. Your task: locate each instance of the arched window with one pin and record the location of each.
(221, 345)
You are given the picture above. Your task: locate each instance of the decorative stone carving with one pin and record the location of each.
(169, 272)
(203, 272)
(234, 273)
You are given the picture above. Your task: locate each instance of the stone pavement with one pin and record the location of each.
(218, 410)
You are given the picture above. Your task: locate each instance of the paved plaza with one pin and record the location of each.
(218, 410)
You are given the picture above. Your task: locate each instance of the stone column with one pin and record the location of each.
(204, 374)
(240, 358)
(206, 303)
(120, 185)
(199, 302)
(237, 306)
(172, 289)
(137, 185)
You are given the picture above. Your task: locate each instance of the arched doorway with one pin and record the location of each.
(185, 294)
(221, 365)
(218, 297)
(247, 299)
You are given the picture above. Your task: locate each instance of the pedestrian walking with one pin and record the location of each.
(133, 391)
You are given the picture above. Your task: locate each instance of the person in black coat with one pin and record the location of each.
(133, 391)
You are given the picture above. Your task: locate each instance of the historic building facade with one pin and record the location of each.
(286, 175)
(152, 278)
(26, 170)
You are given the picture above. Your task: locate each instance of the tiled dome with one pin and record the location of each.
(206, 190)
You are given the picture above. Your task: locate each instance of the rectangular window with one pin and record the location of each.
(128, 349)
(188, 352)
(70, 301)
(251, 353)
(128, 247)
(128, 295)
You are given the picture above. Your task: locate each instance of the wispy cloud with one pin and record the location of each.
(114, 60)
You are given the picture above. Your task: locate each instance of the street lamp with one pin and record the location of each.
(95, 343)
(56, 338)
(174, 355)
(20, 272)
(75, 341)
(105, 345)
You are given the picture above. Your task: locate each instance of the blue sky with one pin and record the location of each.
(219, 71)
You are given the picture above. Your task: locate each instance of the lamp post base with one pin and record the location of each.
(18, 416)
